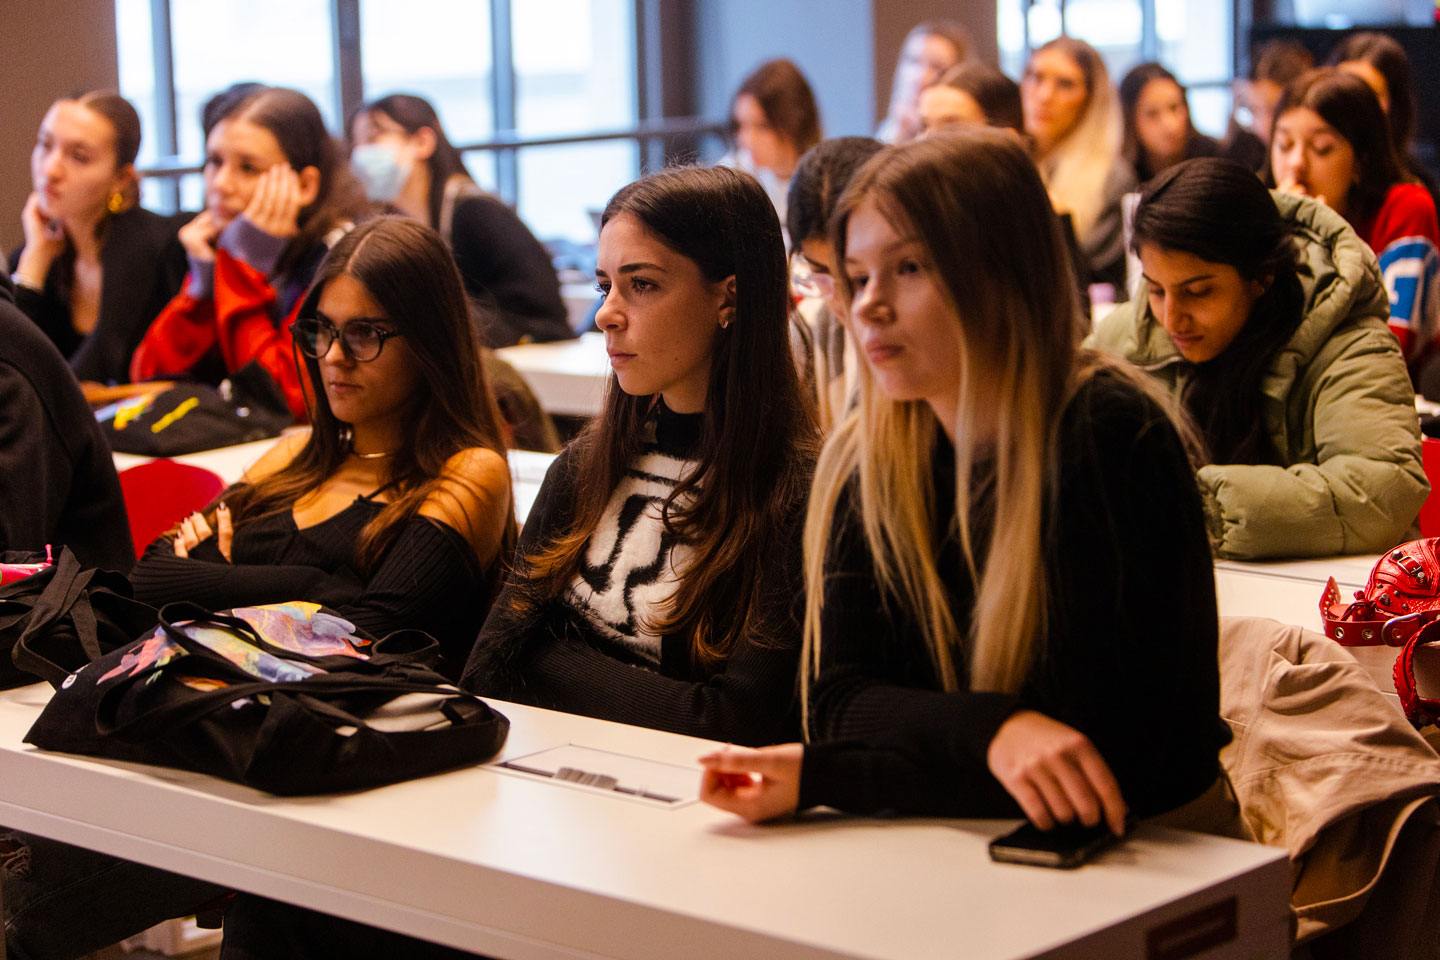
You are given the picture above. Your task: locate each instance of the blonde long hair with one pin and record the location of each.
(976, 202)
(1076, 168)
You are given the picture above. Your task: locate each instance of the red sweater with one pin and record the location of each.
(1405, 236)
(230, 305)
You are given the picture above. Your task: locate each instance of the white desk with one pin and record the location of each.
(527, 467)
(569, 377)
(527, 471)
(1290, 592)
(528, 869)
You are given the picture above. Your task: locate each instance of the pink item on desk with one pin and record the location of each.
(10, 572)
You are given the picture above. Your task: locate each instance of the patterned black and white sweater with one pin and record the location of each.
(593, 650)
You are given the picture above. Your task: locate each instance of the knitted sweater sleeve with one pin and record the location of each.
(427, 580)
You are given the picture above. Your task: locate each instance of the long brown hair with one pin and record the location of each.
(408, 271)
(295, 122)
(976, 203)
(1347, 103)
(785, 96)
(758, 438)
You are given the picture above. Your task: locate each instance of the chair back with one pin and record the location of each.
(161, 493)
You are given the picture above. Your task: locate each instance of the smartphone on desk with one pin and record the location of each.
(1066, 846)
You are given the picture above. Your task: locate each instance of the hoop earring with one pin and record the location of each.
(347, 437)
(116, 202)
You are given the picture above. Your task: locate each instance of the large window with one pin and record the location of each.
(1193, 38)
(402, 51)
(508, 79)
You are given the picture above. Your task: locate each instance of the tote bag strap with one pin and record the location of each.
(172, 613)
(165, 718)
(63, 595)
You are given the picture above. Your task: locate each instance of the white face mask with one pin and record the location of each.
(382, 168)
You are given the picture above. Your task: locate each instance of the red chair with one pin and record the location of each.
(161, 493)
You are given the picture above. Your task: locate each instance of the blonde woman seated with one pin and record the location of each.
(1073, 116)
(1265, 315)
(988, 534)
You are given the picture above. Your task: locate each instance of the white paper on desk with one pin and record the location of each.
(640, 779)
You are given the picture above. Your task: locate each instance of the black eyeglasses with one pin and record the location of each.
(361, 340)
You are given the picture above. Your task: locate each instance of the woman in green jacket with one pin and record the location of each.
(1266, 314)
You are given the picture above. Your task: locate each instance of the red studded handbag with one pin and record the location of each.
(1401, 596)
(1399, 607)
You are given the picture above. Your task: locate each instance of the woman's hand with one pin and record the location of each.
(755, 784)
(195, 529)
(275, 205)
(44, 241)
(1055, 773)
(198, 237)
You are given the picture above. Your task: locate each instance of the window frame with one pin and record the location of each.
(659, 139)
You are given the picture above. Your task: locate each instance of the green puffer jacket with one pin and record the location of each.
(1338, 404)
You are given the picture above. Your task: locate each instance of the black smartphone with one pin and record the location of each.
(1066, 846)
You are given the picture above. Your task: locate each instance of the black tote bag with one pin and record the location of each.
(58, 619)
(172, 700)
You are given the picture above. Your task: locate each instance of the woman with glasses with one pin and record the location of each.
(277, 194)
(395, 507)
(658, 579)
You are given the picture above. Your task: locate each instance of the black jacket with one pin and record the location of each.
(57, 478)
(143, 265)
(508, 273)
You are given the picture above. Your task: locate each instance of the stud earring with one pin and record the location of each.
(116, 202)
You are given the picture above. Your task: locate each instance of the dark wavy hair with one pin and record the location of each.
(408, 270)
(1218, 211)
(1388, 57)
(413, 113)
(295, 122)
(819, 179)
(1347, 103)
(787, 101)
(758, 440)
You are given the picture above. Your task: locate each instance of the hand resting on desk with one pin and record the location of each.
(1051, 769)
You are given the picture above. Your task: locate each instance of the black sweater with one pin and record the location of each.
(507, 272)
(1129, 658)
(552, 656)
(428, 580)
(143, 266)
(57, 476)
